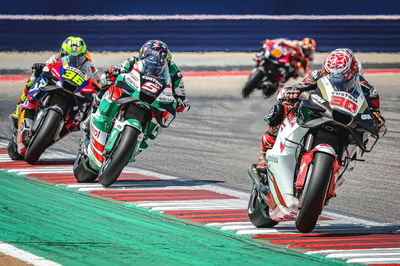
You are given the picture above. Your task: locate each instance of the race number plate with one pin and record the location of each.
(344, 101)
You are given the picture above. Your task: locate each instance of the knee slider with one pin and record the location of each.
(275, 115)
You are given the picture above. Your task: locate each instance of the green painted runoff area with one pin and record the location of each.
(72, 228)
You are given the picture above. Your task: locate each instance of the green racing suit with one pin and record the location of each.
(102, 118)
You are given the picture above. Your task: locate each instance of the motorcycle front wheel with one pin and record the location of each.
(43, 137)
(252, 83)
(258, 212)
(119, 157)
(315, 192)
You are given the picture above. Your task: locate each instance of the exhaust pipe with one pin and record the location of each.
(259, 186)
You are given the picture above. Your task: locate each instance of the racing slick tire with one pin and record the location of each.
(315, 192)
(252, 83)
(258, 212)
(119, 157)
(43, 137)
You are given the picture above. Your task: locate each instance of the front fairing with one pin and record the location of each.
(68, 74)
(154, 92)
(327, 106)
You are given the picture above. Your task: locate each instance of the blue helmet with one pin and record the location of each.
(155, 47)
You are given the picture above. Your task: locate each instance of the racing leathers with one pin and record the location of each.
(102, 117)
(287, 99)
(288, 54)
(37, 70)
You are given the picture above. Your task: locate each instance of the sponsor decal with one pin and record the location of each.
(152, 79)
(77, 71)
(55, 73)
(151, 86)
(165, 99)
(366, 117)
(344, 101)
(131, 80)
(317, 98)
(272, 159)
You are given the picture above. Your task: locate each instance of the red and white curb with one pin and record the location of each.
(336, 235)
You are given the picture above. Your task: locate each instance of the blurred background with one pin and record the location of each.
(201, 26)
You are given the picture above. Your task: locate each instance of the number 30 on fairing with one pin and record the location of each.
(344, 103)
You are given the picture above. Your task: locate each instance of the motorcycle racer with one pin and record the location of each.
(74, 46)
(105, 112)
(340, 65)
(291, 58)
(306, 48)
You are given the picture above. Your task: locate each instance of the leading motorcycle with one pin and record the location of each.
(64, 92)
(330, 128)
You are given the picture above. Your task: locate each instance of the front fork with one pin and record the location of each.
(304, 168)
(23, 134)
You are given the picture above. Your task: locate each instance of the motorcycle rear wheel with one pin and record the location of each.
(315, 192)
(43, 137)
(119, 157)
(252, 83)
(257, 216)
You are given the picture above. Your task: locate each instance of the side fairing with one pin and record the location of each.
(282, 164)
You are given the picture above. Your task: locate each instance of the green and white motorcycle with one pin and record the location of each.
(135, 108)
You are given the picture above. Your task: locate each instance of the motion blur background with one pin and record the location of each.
(367, 30)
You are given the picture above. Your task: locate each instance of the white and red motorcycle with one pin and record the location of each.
(329, 128)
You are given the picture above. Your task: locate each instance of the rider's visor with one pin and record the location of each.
(153, 65)
(341, 83)
(76, 60)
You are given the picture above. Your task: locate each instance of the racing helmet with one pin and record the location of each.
(76, 50)
(341, 67)
(155, 47)
(74, 46)
(307, 47)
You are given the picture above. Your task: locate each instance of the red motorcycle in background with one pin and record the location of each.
(278, 61)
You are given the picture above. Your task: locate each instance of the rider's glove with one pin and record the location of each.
(110, 76)
(37, 68)
(113, 71)
(183, 103)
(289, 95)
(379, 122)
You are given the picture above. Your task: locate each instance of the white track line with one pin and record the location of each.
(340, 251)
(20, 254)
(395, 260)
(196, 17)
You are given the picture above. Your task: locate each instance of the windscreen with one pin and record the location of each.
(153, 66)
(76, 61)
(351, 85)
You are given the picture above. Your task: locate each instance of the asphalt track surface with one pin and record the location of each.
(219, 138)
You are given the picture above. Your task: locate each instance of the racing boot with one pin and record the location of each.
(267, 142)
(85, 129)
(14, 123)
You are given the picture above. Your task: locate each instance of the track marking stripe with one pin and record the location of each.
(20, 254)
(195, 17)
(211, 206)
